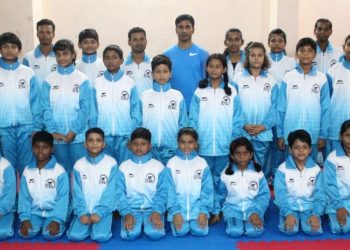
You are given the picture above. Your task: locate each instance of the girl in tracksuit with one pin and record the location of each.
(258, 92)
(215, 113)
(66, 98)
(337, 183)
(191, 186)
(243, 194)
(299, 188)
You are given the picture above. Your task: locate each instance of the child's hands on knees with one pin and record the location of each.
(53, 227)
(290, 222)
(94, 218)
(129, 222)
(342, 213)
(255, 220)
(26, 225)
(202, 220)
(314, 222)
(156, 220)
(214, 218)
(84, 219)
(178, 221)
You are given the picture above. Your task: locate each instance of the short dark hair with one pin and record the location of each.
(234, 30)
(277, 31)
(306, 41)
(9, 37)
(187, 131)
(345, 125)
(142, 133)
(324, 20)
(64, 44)
(95, 131)
(136, 30)
(300, 134)
(184, 17)
(251, 45)
(115, 48)
(88, 33)
(46, 22)
(161, 59)
(42, 136)
(346, 39)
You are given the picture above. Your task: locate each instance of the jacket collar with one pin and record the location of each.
(94, 160)
(113, 77)
(9, 66)
(49, 165)
(290, 163)
(130, 60)
(276, 56)
(38, 53)
(329, 48)
(184, 156)
(65, 70)
(141, 159)
(89, 58)
(313, 71)
(263, 73)
(161, 87)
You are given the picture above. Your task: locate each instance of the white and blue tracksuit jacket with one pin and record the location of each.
(19, 96)
(192, 186)
(7, 187)
(217, 118)
(337, 180)
(141, 73)
(241, 194)
(303, 103)
(66, 98)
(231, 72)
(116, 104)
(280, 65)
(325, 60)
(41, 65)
(164, 113)
(299, 191)
(258, 98)
(92, 66)
(339, 86)
(142, 185)
(94, 185)
(44, 192)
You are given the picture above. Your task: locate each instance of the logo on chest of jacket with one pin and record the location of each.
(226, 100)
(131, 175)
(233, 183)
(103, 94)
(84, 177)
(340, 168)
(333, 62)
(339, 82)
(204, 99)
(291, 180)
(315, 88)
(50, 183)
(177, 171)
(147, 74)
(150, 178)
(100, 73)
(124, 96)
(53, 67)
(2, 84)
(36, 66)
(103, 179)
(295, 86)
(150, 105)
(128, 72)
(76, 88)
(253, 186)
(172, 105)
(55, 87)
(267, 87)
(245, 86)
(31, 181)
(22, 84)
(198, 174)
(311, 182)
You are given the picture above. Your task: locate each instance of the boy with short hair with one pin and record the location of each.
(326, 54)
(93, 191)
(164, 110)
(303, 100)
(142, 190)
(44, 192)
(42, 59)
(137, 64)
(90, 64)
(20, 113)
(299, 188)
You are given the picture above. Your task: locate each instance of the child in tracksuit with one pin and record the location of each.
(116, 105)
(163, 110)
(243, 194)
(94, 185)
(66, 97)
(142, 190)
(20, 111)
(192, 186)
(44, 192)
(7, 198)
(337, 183)
(299, 188)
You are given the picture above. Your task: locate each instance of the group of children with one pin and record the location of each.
(141, 153)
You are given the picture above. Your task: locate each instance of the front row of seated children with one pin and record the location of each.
(142, 190)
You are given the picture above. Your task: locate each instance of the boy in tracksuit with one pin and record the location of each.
(44, 192)
(116, 107)
(20, 111)
(142, 190)
(299, 188)
(163, 111)
(93, 191)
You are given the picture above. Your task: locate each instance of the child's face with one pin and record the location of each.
(65, 57)
(42, 151)
(9, 52)
(300, 150)
(215, 69)
(322, 31)
(140, 146)
(277, 43)
(45, 34)
(89, 46)
(161, 74)
(184, 31)
(112, 61)
(345, 139)
(94, 144)
(233, 42)
(241, 156)
(346, 49)
(306, 55)
(256, 58)
(187, 143)
(138, 42)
